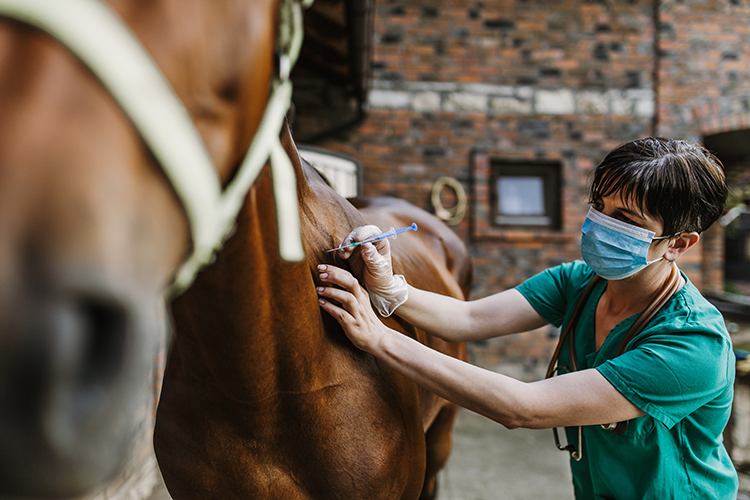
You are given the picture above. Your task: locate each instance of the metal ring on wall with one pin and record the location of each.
(452, 215)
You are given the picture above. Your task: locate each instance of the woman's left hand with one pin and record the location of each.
(354, 314)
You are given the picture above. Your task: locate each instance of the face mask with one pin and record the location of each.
(614, 249)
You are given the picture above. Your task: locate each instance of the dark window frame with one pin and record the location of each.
(551, 174)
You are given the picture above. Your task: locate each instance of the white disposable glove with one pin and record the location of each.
(387, 291)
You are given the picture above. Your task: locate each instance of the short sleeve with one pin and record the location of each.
(673, 373)
(551, 291)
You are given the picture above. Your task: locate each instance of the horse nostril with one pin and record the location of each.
(87, 363)
(103, 330)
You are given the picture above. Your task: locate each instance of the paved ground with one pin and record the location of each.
(490, 462)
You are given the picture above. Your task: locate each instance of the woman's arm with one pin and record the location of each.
(580, 398)
(445, 317)
(456, 320)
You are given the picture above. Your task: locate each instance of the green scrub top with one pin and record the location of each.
(679, 370)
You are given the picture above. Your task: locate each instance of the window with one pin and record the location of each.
(525, 194)
(342, 172)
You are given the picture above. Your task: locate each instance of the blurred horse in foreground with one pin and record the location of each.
(263, 395)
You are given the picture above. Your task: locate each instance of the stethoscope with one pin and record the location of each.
(671, 285)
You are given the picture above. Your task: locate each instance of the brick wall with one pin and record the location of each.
(454, 80)
(704, 87)
(703, 67)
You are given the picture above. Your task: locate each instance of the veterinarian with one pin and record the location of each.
(644, 371)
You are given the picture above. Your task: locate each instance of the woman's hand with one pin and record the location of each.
(354, 314)
(372, 261)
(387, 291)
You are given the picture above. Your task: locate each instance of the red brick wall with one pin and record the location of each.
(704, 87)
(703, 67)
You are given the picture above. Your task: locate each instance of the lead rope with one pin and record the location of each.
(99, 38)
(669, 288)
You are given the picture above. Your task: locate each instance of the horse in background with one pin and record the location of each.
(92, 232)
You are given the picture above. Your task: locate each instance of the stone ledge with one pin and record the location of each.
(435, 97)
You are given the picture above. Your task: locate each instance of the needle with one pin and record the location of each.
(391, 233)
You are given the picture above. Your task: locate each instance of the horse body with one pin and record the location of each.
(264, 397)
(433, 259)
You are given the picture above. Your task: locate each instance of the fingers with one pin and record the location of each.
(343, 297)
(350, 297)
(337, 276)
(353, 311)
(358, 234)
(382, 246)
(339, 313)
(375, 258)
(363, 232)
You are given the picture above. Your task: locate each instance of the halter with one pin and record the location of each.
(102, 41)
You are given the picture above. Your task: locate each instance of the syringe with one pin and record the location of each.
(391, 233)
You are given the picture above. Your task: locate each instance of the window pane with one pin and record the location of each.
(520, 195)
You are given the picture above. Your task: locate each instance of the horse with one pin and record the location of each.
(94, 229)
(276, 401)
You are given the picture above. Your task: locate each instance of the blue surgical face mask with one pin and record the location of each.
(614, 249)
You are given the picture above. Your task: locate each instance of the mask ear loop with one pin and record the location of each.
(658, 238)
(667, 237)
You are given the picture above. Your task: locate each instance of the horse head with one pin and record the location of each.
(93, 229)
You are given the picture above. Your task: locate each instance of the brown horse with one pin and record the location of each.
(264, 397)
(262, 394)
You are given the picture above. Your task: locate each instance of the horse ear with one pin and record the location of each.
(286, 134)
(287, 142)
(291, 114)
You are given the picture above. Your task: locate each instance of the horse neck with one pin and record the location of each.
(251, 320)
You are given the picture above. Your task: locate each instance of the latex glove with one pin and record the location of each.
(387, 291)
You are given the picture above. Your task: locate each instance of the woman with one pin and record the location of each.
(672, 382)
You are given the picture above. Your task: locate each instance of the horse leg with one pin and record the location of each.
(439, 443)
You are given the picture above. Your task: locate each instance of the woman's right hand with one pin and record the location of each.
(372, 261)
(372, 264)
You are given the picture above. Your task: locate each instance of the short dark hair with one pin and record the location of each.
(679, 182)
